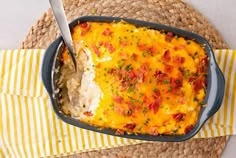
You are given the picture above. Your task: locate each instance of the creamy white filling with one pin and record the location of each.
(104, 59)
(89, 91)
(83, 92)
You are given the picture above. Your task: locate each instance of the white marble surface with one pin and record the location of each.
(17, 16)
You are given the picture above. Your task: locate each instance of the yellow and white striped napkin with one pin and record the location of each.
(29, 127)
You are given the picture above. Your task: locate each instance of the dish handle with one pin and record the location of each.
(216, 94)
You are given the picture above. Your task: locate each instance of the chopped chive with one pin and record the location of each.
(150, 80)
(111, 105)
(129, 67)
(175, 130)
(143, 54)
(128, 112)
(131, 88)
(202, 103)
(155, 89)
(146, 121)
(140, 94)
(166, 81)
(139, 129)
(144, 110)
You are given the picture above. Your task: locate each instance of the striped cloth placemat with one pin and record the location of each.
(29, 127)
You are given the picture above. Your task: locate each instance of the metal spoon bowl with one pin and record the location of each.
(60, 16)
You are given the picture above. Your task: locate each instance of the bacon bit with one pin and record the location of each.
(105, 112)
(130, 126)
(119, 132)
(179, 59)
(134, 56)
(88, 113)
(169, 36)
(204, 61)
(112, 71)
(201, 69)
(125, 85)
(160, 75)
(107, 32)
(100, 43)
(203, 65)
(157, 94)
(131, 75)
(176, 83)
(109, 47)
(123, 43)
(136, 86)
(130, 105)
(144, 67)
(83, 25)
(178, 117)
(199, 83)
(141, 77)
(85, 28)
(123, 55)
(118, 99)
(154, 106)
(142, 47)
(96, 50)
(204, 83)
(151, 50)
(153, 131)
(182, 100)
(192, 78)
(168, 68)
(120, 110)
(166, 56)
(179, 47)
(142, 72)
(188, 129)
(83, 33)
(145, 98)
(121, 74)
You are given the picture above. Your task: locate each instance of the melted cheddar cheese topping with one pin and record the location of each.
(152, 82)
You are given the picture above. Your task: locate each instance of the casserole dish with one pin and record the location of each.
(214, 92)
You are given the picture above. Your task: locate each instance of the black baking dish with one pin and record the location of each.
(215, 80)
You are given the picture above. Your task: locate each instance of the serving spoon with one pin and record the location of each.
(60, 16)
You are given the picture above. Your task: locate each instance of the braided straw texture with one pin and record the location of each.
(169, 12)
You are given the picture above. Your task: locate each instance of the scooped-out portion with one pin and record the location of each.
(134, 79)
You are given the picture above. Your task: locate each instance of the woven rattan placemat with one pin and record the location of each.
(170, 12)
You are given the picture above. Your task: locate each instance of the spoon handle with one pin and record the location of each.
(60, 16)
